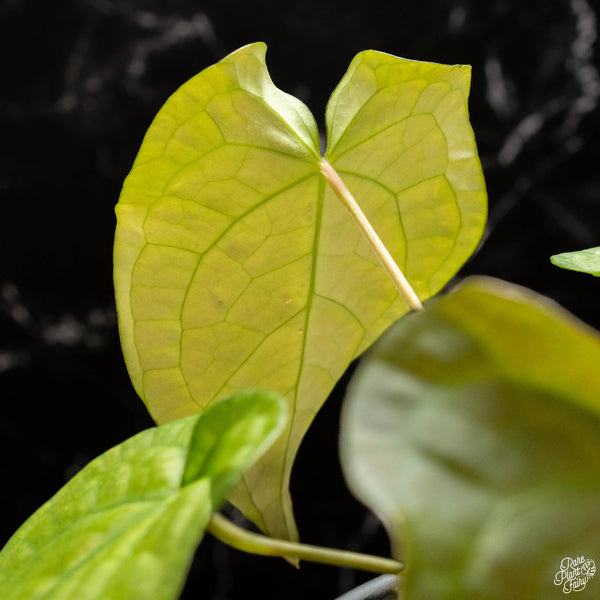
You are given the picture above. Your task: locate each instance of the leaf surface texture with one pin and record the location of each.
(236, 266)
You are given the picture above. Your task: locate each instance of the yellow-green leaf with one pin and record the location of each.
(236, 267)
(127, 525)
(585, 261)
(473, 430)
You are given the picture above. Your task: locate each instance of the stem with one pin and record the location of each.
(255, 543)
(382, 253)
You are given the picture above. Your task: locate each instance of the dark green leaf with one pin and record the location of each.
(473, 430)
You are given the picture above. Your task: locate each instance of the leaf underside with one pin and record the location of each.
(127, 525)
(473, 430)
(236, 267)
(586, 261)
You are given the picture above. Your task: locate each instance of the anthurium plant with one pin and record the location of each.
(250, 271)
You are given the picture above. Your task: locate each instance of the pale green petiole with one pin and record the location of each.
(382, 253)
(256, 543)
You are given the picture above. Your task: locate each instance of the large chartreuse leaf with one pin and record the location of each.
(235, 265)
(586, 261)
(127, 525)
(473, 430)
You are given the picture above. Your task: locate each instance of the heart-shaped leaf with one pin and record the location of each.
(127, 525)
(473, 430)
(236, 266)
(586, 261)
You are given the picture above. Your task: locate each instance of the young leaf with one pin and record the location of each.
(473, 430)
(127, 525)
(586, 261)
(236, 266)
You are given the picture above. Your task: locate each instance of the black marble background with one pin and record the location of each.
(80, 81)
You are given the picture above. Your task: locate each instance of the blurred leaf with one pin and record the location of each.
(127, 525)
(236, 267)
(473, 430)
(586, 261)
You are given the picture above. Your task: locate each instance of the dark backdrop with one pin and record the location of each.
(79, 84)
